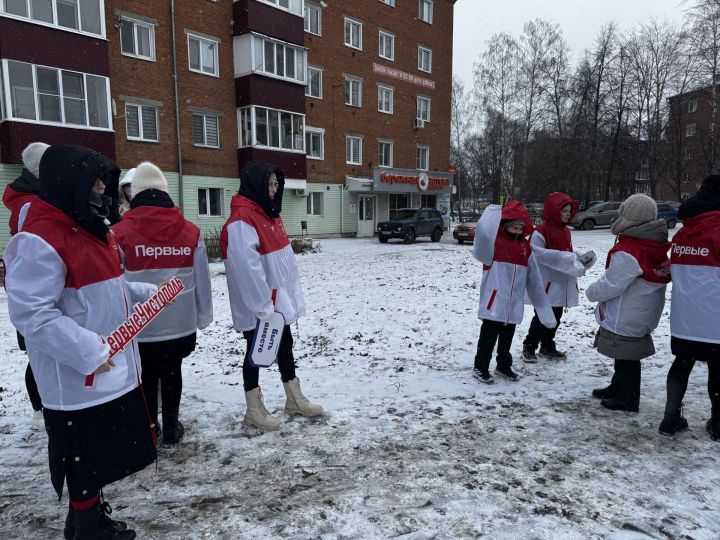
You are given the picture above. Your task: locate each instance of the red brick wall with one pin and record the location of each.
(329, 52)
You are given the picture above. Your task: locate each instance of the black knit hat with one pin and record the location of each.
(707, 199)
(711, 185)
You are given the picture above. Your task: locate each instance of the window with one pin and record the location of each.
(397, 201)
(386, 45)
(313, 88)
(353, 91)
(293, 6)
(424, 59)
(422, 161)
(206, 130)
(692, 106)
(137, 39)
(353, 149)
(385, 153)
(279, 59)
(83, 16)
(260, 126)
(315, 203)
(389, 2)
(313, 19)
(691, 130)
(141, 122)
(428, 201)
(423, 108)
(353, 33)
(385, 99)
(425, 10)
(203, 55)
(314, 142)
(210, 202)
(49, 95)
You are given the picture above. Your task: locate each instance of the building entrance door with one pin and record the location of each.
(366, 216)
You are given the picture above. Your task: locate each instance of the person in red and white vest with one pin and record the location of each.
(509, 272)
(695, 307)
(157, 244)
(260, 267)
(66, 290)
(560, 267)
(631, 298)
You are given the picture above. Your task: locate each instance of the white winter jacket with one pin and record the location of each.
(559, 271)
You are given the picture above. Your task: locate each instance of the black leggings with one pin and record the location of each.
(168, 372)
(677, 382)
(285, 361)
(32, 389)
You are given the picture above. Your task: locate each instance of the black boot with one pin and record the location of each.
(173, 429)
(628, 396)
(713, 425)
(69, 530)
(673, 421)
(611, 390)
(94, 524)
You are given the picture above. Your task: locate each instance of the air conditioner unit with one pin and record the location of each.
(300, 192)
(419, 123)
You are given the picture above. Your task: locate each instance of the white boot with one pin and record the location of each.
(257, 415)
(297, 403)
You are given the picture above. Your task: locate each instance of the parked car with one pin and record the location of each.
(465, 232)
(409, 223)
(667, 212)
(599, 214)
(535, 211)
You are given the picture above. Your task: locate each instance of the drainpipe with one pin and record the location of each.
(177, 109)
(342, 192)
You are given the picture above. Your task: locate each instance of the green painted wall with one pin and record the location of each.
(8, 173)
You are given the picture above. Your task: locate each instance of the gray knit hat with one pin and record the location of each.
(32, 155)
(148, 176)
(636, 210)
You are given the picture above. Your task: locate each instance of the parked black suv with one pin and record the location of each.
(409, 223)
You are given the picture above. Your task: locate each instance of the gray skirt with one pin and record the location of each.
(620, 347)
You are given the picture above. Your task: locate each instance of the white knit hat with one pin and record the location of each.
(128, 178)
(148, 176)
(636, 210)
(32, 155)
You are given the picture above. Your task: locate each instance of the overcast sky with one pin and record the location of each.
(477, 20)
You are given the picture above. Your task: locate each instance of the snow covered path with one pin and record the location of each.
(411, 446)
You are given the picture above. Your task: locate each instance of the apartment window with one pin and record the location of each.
(137, 39)
(84, 16)
(386, 45)
(279, 59)
(385, 99)
(422, 161)
(424, 59)
(425, 10)
(314, 142)
(203, 55)
(210, 202)
(423, 108)
(691, 130)
(206, 130)
(313, 19)
(313, 88)
(353, 33)
(315, 203)
(272, 128)
(141, 122)
(49, 95)
(293, 6)
(385, 153)
(389, 2)
(692, 106)
(397, 201)
(353, 91)
(353, 149)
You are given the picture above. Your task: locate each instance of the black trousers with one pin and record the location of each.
(32, 389)
(490, 333)
(677, 382)
(167, 372)
(285, 360)
(542, 335)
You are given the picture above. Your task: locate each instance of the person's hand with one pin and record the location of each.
(106, 366)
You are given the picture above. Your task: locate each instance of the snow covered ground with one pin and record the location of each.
(411, 446)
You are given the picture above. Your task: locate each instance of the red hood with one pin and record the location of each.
(515, 210)
(553, 206)
(154, 222)
(13, 200)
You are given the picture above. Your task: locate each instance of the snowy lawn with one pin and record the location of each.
(411, 445)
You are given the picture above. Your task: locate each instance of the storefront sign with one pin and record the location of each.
(411, 181)
(394, 73)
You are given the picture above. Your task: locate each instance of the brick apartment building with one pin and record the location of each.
(350, 98)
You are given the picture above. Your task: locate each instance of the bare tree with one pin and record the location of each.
(555, 90)
(463, 118)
